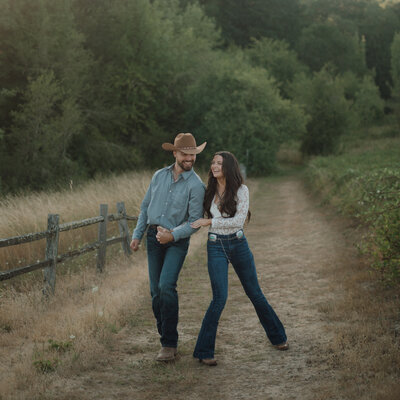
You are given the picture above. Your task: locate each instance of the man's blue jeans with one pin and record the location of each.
(165, 262)
(241, 257)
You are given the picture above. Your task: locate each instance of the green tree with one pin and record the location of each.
(42, 127)
(367, 19)
(363, 95)
(322, 43)
(238, 108)
(367, 102)
(395, 65)
(346, 14)
(378, 27)
(323, 99)
(278, 59)
(148, 52)
(242, 20)
(44, 67)
(120, 71)
(395, 73)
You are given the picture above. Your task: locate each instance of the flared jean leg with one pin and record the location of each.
(243, 263)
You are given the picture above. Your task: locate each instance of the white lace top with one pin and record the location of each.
(227, 226)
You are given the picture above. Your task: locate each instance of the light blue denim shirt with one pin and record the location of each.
(173, 205)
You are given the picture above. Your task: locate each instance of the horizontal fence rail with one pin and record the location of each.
(52, 237)
(30, 237)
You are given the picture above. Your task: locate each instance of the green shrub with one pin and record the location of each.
(367, 186)
(379, 207)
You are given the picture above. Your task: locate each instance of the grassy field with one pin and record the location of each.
(28, 213)
(96, 337)
(79, 335)
(87, 308)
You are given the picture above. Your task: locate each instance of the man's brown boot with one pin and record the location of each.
(166, 354)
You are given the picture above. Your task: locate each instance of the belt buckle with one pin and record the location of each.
(212, 237)
(239, 234)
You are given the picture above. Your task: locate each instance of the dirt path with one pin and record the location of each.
(296, 248)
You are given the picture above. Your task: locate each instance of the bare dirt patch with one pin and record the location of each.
(343, 328)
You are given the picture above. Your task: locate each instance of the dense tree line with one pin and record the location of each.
(88, 87)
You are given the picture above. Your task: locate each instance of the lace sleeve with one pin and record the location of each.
(237, 221)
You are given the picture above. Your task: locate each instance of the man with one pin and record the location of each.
(173, 200)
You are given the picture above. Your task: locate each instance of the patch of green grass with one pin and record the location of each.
(45, 361)
(60, 347)
(45, 366)
(6, 328)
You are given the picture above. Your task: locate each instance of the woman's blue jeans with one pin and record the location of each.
(165, 262)
(239, 254)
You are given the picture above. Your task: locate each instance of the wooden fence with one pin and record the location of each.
(52, 234)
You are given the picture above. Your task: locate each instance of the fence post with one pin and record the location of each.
(123, 228)
(101, 252)
(51, 253)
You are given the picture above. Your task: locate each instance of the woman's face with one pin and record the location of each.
(216, 167)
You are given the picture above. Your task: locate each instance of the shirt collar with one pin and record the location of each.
(185, 174)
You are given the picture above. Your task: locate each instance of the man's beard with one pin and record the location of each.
(186, 167)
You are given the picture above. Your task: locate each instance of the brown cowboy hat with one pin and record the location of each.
(186, 143)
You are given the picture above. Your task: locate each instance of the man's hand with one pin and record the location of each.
(135, 244)
(164, 235)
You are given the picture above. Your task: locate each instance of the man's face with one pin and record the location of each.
(184, 161)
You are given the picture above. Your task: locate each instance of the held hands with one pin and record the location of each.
(164, 235)
(201, 222)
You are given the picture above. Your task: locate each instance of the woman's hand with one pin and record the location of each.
(201, 222)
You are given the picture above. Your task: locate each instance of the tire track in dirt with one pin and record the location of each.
(294, 244)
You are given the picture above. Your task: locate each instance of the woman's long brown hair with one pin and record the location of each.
(234, 179)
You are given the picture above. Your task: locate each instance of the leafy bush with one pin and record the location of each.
(367, 186)
(380, 208)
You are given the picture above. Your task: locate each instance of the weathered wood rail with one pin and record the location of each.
(52, 258)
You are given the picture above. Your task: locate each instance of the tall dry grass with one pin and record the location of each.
(364, 352)
(43, 340)
(25, 214)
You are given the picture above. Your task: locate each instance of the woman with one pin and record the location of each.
(226, 206)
